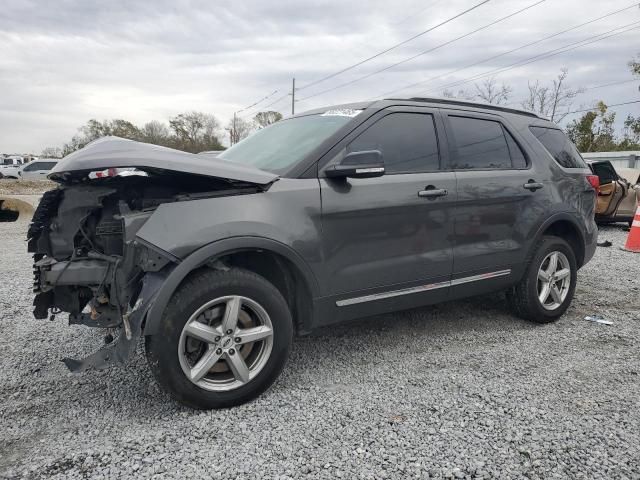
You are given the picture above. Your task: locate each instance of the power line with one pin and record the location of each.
(542, 56)
(327, 77)
(611, 84)
(608, 106)
(408, 17)
(259, 101)
(279, 99)
(548, 37)
(424, 52)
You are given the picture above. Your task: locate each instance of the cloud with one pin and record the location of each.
(64, 62)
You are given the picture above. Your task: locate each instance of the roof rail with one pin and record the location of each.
(467, 103)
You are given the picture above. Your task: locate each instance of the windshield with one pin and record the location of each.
(281, 145)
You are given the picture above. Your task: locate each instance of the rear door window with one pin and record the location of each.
(480, 144)
(407, 141)
(559, 146)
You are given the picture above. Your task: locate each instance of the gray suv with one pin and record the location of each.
(333, 214)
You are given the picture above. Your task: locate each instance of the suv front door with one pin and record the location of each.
(384, 241)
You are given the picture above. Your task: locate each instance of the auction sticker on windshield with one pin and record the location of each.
(341, 112)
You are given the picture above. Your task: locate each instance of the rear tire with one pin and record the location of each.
(526, 298)
(203, 359)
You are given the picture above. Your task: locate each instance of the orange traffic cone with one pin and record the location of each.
(633, 240)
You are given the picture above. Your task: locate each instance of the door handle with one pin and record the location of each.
(432, 192)
(533, 185)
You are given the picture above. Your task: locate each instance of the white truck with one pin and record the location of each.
(10, 166)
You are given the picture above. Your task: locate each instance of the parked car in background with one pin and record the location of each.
(10, 166)
(38, 169)
(619, 192)
(330, 215)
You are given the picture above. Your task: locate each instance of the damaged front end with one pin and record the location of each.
(88, 261)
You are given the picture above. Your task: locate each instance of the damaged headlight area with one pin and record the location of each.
(88, 261)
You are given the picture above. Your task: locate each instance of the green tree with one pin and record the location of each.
(634, 65)
(630, 134)
(594, 131)
(124, 129)
(631, 131)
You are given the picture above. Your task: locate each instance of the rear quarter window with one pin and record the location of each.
(559, 147)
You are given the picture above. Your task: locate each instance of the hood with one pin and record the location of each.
(116, 152)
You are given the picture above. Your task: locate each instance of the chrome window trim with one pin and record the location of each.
(421, 288)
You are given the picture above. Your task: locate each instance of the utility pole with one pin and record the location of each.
(233, 128)
(293, 97)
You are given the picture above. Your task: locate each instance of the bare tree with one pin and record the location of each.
(552, 101)
(195, 132)
(461, 94)
(264, 119)
(238, 129)
(52, 152)
(489, 91)
(155, 132)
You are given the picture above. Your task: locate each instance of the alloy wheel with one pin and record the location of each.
(225, 343)
(554, 280)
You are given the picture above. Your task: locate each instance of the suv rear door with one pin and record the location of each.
(383, 241)
(500, 200)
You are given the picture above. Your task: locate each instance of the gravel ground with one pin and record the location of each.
(460, 390)
(24, 187)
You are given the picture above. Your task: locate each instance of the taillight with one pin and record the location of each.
(594, 181)
(109, 172)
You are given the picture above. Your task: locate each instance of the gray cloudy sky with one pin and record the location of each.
(63, 62)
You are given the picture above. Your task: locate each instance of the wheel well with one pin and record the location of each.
(283, 274)
(568, 232)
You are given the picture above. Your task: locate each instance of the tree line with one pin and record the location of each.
(191, 132)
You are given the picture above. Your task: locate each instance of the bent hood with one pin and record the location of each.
(116, 152)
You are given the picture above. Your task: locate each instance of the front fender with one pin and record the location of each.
(215, 250)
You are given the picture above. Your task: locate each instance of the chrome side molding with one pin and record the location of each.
(421, 288)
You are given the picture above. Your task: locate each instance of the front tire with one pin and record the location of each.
(223, 340)
(546, 290)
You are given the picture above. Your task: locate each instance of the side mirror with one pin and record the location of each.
(365, 164)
